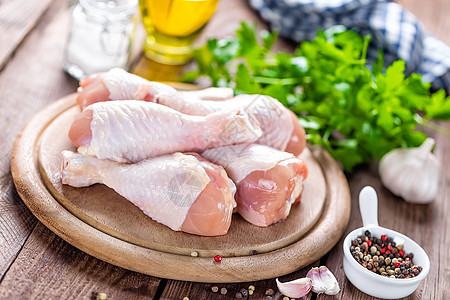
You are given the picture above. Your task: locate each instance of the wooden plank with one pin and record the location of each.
(432, 225)
(179, 289)
(32, 79)
(50, 268)
(16, 221)
(17, 19)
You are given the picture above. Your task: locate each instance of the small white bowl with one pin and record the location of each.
(367, 281)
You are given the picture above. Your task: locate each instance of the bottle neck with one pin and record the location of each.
(109, 9)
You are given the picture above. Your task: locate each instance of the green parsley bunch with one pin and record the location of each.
(354, 112)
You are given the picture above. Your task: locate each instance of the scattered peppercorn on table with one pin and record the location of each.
(37, 264)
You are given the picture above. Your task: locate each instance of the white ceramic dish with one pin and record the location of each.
(367, 281)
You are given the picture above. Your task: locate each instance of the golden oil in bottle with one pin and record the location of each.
(172, 26)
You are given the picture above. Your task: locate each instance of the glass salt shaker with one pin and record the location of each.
(101, 36)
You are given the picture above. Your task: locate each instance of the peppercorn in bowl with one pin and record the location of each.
(382, 262)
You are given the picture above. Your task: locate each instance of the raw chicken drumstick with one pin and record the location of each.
(130, 131)
(183, 192)
(279, 125)
(268, 181)
(118, 84)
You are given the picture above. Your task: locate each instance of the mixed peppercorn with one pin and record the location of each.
(383, 256)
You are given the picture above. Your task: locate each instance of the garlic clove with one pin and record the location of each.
(411, 173)
(296, 288)
(318, 286)
(323, 281)
(329, 280)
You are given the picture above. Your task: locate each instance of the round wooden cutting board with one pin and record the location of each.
(100, 222)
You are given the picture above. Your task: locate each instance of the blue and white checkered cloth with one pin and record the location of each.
(391, 26)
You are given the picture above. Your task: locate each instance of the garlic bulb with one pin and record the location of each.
(296, 288)
(411, 173)
(323, 281)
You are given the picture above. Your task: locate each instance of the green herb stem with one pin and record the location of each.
(366, 40)
(276, 81)
(429, 124)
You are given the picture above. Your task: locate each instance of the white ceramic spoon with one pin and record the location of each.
(367, 281)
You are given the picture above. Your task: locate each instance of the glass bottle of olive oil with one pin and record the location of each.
(172, 26)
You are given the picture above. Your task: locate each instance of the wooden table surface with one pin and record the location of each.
(37, 264)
